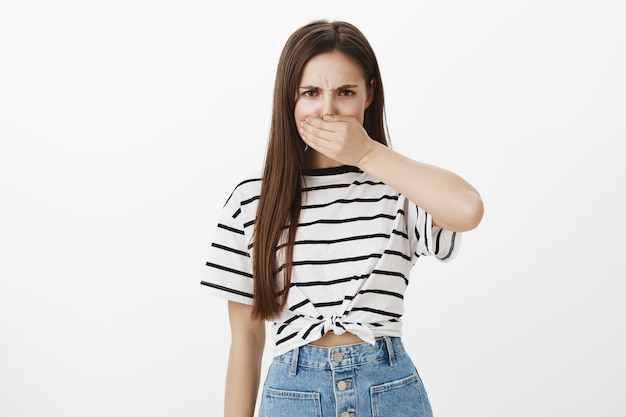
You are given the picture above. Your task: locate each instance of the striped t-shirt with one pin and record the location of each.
(356, 242)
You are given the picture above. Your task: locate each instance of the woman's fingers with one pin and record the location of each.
(341, 138)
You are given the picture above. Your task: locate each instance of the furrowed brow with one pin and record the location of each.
(342, 87)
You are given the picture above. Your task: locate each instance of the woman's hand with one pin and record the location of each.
(341, 138)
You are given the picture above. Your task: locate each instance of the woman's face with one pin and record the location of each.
(333, 84)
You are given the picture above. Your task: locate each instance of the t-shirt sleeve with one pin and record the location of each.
(229, 263)
(431, 240)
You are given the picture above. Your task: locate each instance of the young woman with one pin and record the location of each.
(321, 243)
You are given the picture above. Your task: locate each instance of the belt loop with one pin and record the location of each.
(295, 353)
(392, 354)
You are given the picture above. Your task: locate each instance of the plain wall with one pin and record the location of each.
(124, 125)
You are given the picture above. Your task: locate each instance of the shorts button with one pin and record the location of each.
(342, 385)
(337, 357)
(346, 414)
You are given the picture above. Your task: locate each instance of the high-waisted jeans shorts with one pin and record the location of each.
(360, 380)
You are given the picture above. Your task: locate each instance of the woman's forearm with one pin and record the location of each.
(242, 380)
(244, 361)
(452, 202)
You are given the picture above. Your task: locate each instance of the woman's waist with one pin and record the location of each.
(332, 357)
(331, 339)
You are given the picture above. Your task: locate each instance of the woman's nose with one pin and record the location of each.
(328, 106)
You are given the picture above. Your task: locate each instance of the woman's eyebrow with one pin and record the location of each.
(342, 87)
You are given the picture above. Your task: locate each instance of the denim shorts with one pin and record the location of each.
(359, 380)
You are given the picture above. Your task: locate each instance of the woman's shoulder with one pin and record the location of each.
(246, 186)
(250, 179)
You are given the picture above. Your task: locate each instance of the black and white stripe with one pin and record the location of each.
(356, 243)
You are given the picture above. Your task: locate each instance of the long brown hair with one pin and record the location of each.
(280, 201)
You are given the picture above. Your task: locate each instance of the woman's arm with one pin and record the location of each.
(451, 201)
(244, 361)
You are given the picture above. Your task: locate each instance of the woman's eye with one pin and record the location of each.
(310, 93)
(346, 92)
